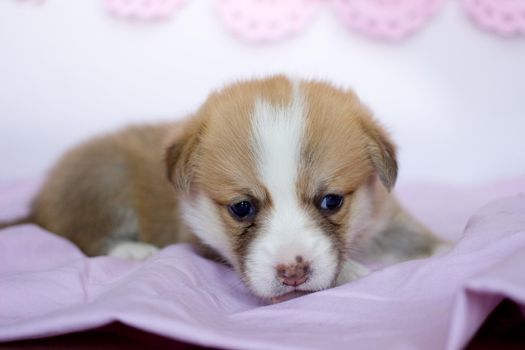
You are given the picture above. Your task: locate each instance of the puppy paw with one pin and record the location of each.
(442, 248)
(133, 250)
(351, 271)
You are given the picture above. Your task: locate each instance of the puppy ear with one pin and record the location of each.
(181, 153)
(382, 152)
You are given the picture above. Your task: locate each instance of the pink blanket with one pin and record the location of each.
(47, 286)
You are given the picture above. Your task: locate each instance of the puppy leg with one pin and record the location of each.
(350, 271)
(132, 250)
(403, 238)
(384, 232)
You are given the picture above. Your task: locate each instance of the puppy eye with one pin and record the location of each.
(242, 210)
(331, 202)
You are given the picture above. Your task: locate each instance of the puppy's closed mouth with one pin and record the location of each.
(288, 296)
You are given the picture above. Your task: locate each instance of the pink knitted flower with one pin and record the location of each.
(506, 17)
(386, 19)
(262, 20)
(143, 9)
(267, 20)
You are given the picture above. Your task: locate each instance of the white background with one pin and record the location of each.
(452, 95)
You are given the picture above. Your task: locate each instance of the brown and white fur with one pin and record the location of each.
(279, 144)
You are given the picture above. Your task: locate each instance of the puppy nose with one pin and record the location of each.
(294, 274)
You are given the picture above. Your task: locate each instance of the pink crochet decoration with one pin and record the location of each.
(386, 19)
(143, 9)
(264, 20)
(270, 20)
(506, 17)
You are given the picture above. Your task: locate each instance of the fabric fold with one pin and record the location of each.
(48, 287)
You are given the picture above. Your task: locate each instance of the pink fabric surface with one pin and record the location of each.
(47, 286)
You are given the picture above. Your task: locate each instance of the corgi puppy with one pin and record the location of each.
(288, 181)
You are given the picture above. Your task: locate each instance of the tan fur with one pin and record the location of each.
(114, 183)
(220, 158)
(346, 151)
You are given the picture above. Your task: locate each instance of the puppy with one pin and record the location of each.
(288, 181)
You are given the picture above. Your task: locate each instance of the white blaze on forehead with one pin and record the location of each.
(278, 134)
(288, 231)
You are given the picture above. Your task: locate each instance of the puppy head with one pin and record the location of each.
(267, 173)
